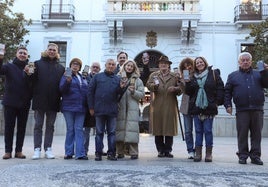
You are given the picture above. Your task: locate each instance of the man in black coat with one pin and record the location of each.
(46, 98)
(90, 121)
(16, 101)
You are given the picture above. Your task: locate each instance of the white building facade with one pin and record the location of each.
(95, 30)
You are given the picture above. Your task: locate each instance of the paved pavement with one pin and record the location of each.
(148, 170)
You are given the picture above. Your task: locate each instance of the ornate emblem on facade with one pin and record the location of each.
(151, 39)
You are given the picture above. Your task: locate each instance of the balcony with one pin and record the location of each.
(249, 13)
(157, 9)
(57, 14)
(175, 14)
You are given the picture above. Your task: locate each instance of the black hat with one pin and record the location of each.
(164, 59)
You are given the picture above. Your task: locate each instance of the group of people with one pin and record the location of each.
(109, 102)
(204, 91)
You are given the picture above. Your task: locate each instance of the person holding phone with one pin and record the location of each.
(164, 106)
(46, 98)
(186, 68)
(90, 121)
(16, 101)
(206, 91)
(73, 87)
(127, 128)
(248, 97)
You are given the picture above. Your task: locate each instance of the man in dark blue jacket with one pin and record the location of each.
(16, 101)
(245, 87)
(103, 93)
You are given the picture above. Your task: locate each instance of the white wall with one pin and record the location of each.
(217, 11)
(89, 9)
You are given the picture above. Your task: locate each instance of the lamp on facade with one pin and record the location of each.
(115, 31)
(188, 29)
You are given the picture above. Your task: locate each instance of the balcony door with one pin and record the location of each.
(59, 9)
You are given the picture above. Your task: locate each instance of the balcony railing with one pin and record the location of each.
(134, 6)
(247, 12)
(58, 12)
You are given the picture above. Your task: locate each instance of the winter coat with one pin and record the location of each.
(18, 90)
(74, 94)
(127, 128)
(103, 92)
(46, 80)
(164, 105)
(90, 121)
(214, 89)
(246, 90)
(184, 107)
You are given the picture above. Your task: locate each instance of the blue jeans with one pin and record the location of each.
(188, 127)
(39, 117)
(74, 135)
(110, 123)
(203, 127)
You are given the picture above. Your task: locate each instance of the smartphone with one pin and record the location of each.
(260, 65)
(186, 74)
(68, 72)
(86, 69)
(2, 49)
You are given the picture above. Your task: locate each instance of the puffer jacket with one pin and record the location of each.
(127, 128)
(74, 94)
(214, 88)
(46, 80)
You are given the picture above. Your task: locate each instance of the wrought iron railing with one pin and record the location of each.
(58, 11)
(246, 12)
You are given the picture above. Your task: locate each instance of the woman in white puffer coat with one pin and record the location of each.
(127, 128)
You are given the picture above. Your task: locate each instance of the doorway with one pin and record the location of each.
(153, 58)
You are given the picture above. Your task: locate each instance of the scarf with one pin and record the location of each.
(201, 99)
(20, 64)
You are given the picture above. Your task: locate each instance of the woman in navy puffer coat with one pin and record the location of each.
(74, 90)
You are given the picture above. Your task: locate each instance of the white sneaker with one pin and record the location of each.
(191, 155)
(37, 154)
(49, 154)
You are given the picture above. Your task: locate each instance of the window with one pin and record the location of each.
(62, 51)
(247, 47)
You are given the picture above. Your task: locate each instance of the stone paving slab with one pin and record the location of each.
(148, 170)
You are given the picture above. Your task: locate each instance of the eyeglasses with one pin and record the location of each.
(76, 64)
(122, 57)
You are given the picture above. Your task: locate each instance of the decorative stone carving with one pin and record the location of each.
(151, 39)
